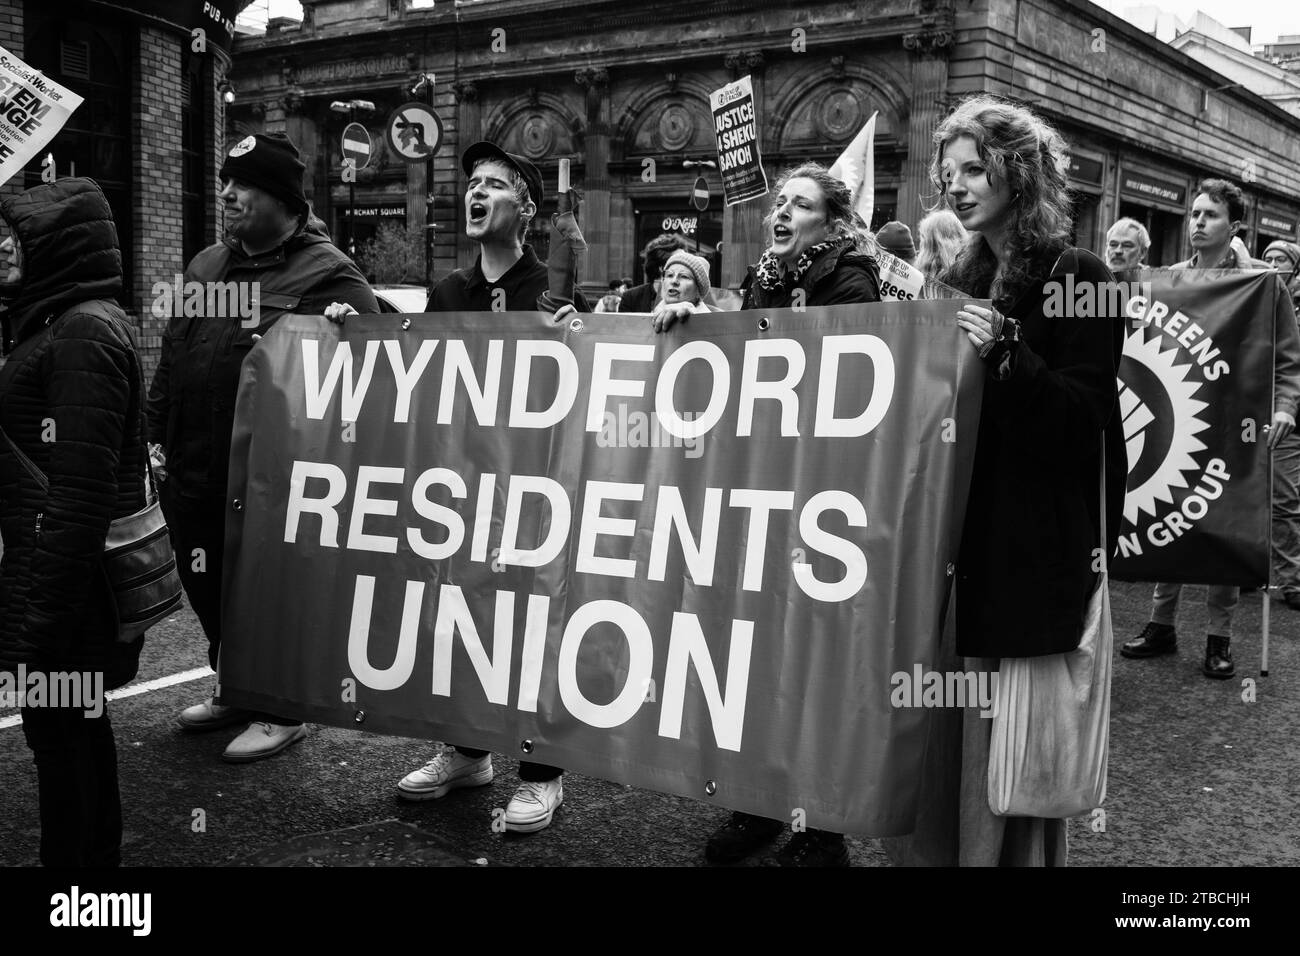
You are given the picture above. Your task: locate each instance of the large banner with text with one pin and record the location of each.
(691, 561)
(1196, 397)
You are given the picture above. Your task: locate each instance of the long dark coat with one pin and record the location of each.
(1025, 571)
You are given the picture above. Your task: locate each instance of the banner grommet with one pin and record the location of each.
(764, 324)
(526, 746)
(575, 325)
(710, 787)
(359, 716)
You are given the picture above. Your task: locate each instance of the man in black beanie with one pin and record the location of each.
(278, 257)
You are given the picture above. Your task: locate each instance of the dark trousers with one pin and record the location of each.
(76, 774)
(534, 772)
(198, 530)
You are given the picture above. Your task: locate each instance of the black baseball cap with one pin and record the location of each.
(486, 150)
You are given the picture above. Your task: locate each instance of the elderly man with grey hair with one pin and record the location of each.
(1127, 243)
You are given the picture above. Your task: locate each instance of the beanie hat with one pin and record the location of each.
(895, 237)
(698, 265)
(1288, 249)
(270, 162)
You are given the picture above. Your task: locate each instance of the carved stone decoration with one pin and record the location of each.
(837, 66)
(744, 63)
(287, 71)
(676, 128)
(839, 115)
(292, 102)
(464, 91)
(258, 109)
(534, 96)
(928, 43)
(536, 136)
(671, 79)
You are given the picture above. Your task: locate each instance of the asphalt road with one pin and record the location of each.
(1198, 776)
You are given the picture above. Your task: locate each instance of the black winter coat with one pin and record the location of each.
(192, 398)
(838, 276)
(70, 399)
(1025, 570)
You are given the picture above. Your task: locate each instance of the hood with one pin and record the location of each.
(69, 250)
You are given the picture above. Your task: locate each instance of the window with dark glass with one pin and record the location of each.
(93, 59)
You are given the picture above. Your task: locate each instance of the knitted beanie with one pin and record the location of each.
(270, 162)
(1288, 249)
(896, 238)
(698, 265)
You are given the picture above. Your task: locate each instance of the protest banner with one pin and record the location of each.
(735, 125)
(1196, 390)
(32, 109)
(685, 562)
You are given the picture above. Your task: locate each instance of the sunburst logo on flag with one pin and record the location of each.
(1159, 408)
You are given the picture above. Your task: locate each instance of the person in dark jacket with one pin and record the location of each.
(644, 297)
(70, 401)
(820, 252)
(278, 249)
(503, 194)
(1030, 548)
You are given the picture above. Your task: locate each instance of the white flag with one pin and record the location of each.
(856, 168)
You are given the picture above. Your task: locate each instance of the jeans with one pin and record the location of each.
(1286, 515)
(533, 772)
(76, 774)
(1220, 599)
(199, 525)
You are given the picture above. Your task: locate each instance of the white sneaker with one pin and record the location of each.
(446, 772)
(533, 805)
(263, 739)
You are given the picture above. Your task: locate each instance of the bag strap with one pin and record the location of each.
(1105, 552)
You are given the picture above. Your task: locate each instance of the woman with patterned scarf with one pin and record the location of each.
(820, 252)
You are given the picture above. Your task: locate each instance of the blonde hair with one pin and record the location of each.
(941, 238)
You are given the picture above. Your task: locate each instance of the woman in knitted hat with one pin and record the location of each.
(685, 282)
(1285, 258)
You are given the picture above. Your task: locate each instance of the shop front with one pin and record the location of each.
(1158, 200)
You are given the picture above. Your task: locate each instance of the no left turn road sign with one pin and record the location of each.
(356, 145)
(414, 132)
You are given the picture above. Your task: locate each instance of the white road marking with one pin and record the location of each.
(131, 690)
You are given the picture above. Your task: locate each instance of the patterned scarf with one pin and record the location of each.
(768, 272)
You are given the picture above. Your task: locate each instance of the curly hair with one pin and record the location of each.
(843, 219)
(942, 236)
(1030, 156)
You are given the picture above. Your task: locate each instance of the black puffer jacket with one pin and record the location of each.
(840, 275)
(70, 399)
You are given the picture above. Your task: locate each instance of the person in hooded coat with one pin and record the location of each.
(70, 401)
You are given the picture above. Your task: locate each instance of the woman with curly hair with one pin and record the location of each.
(1027, 565)
(942, 237)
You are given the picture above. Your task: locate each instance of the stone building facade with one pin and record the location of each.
(622, 91)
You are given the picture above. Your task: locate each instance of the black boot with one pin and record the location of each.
(1155, 639)
(740, 836)
(1218, 658)
(812, 848)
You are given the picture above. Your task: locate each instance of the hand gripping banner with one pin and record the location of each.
(1196, 390)
(689, 562)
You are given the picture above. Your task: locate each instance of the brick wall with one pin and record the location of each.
(11, 38)
(156, 120)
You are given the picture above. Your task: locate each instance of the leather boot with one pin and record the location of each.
(1154, 640)
(1218, 658)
